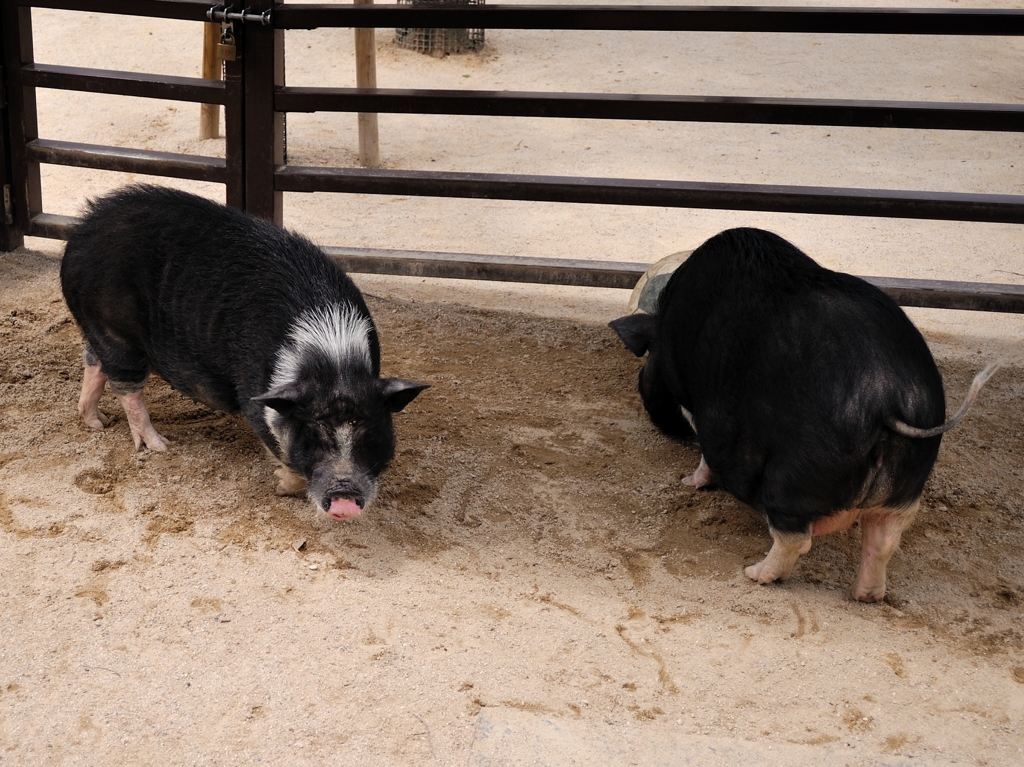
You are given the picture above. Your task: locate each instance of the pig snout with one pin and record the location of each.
(341, 492)
(343, 501)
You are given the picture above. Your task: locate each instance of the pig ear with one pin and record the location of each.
(281, 398)
(398, 392)
(636, 331)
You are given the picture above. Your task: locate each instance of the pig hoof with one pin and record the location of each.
(96, 420)
(701, 476)
(869, 594)
(290, 483)
(695, 481)
(153, 442)
(763, 574)
(159, 445)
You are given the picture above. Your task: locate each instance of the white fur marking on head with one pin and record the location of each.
(343, 439)
(339, 332)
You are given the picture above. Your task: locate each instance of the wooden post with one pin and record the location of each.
(366, 77)
(209, 114)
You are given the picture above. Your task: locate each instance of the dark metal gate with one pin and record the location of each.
(256, 99)
(25, 149)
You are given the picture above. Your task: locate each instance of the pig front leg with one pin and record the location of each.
(660, 402)
(701, 476)
(881, 530)
(786, 549)
(93, 382)
(289, 483)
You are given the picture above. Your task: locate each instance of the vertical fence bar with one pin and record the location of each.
(263, 63)
(234, 123)
(26, 191)
(10, 236)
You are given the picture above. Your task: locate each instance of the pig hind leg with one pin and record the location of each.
(93, 382)
(880, 537)
(786, 549)
(139, 424)
(126, 369)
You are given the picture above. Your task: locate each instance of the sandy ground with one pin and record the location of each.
(534, 586)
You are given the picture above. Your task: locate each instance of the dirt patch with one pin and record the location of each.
(532, 548)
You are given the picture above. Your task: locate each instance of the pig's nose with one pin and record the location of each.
(346, 489)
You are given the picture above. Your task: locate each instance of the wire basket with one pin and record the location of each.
(438, 42)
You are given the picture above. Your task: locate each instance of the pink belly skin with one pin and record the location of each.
(841, 520)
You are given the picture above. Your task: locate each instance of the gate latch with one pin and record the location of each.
(226, 50)
(225, 14)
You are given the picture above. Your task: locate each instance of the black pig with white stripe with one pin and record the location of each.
(238, 314)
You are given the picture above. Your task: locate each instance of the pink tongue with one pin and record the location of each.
(343, 508)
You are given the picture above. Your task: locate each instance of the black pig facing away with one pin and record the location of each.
(238, 314)
(813, 397)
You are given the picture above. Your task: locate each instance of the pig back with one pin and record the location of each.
(207, 292)
(792, 372)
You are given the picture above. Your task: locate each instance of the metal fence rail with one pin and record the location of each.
(256, 99)
(665, 193)
(992, 208)
(25, 150)
(668, 193)
(659, 18)
(613, 106)
(936, 294)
